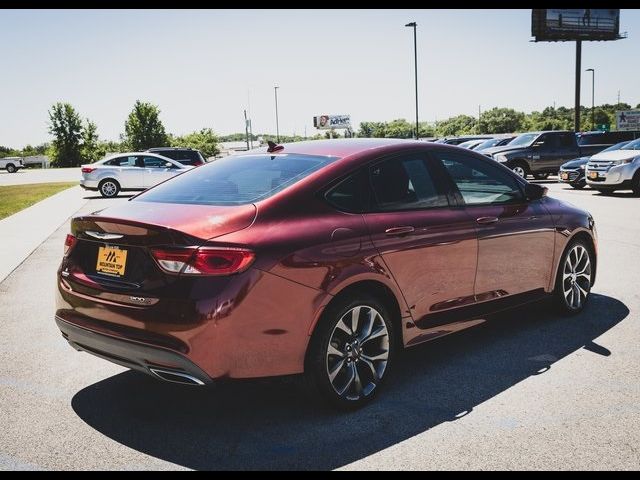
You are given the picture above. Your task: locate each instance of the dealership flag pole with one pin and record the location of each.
(576, 125)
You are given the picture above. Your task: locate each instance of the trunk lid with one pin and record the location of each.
(128, 232)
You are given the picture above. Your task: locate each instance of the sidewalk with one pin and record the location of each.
(23, 232)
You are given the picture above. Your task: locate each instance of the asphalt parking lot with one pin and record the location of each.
(530, 390)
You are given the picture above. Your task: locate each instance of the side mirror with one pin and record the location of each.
(534, 191)
(539, 143)
(168, 165)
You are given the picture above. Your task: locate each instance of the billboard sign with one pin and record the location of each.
(327, 122)
(628, 120)
(565, 24)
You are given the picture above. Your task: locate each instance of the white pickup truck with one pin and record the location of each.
(11, 164)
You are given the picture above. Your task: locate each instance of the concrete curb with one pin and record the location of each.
(23, 232)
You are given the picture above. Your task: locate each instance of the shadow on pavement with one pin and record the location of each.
(94, 197)
(272, 424)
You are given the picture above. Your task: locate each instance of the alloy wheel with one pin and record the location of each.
(109, 189)
(576, 277)
(357, 353)
(518, 170)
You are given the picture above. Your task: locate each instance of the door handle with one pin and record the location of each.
(399, 230)
(486, 220)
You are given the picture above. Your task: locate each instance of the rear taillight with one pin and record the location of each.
(69, 242)
(203, 261)
(88, 169)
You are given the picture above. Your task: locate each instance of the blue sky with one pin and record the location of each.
(202, 68)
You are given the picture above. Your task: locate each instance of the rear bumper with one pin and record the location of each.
(89, 184)
(155, 361)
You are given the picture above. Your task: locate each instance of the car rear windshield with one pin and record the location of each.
(236, 180)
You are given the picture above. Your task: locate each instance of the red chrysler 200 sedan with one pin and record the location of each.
(324, 258)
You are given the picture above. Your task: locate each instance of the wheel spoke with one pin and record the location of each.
(585, 275)
(355, 318)
(582, 290)
(381, 331)
(334, 351)
(368, 326)
(348, 384)
(381, 356)
(343, 326)
(576, 296)
(333, 373)
(357, 379)
(374, 373)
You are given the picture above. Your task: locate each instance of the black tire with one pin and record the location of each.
(320, 362)
(521, 169)
(11, 168)
(109, 188)
(580, 282)
(635, 184)
(541, 176)
(578, 186)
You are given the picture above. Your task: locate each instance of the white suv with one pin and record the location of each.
(615, 170)
(129, 171)
(11, 164)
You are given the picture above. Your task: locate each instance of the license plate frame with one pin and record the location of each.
(111, 260)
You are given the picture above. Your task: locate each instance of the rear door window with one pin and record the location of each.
(405, 183)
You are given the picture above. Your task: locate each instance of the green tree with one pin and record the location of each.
(459, 125)
(66, 127)
(204, 140)
(90, 149)
(500, 120)
(143, 128)
(8, 152)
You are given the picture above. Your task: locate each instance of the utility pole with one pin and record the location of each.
(415, 56)
(275, 89)
(618, 97)
(576, 123)
(246, 128)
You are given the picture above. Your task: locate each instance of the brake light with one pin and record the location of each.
(69, 242)
(88, 169)
(203, 261)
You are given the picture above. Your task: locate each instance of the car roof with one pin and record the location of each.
(155, 149)
(342, 147)
(146, 154)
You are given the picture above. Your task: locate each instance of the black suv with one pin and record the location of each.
(186, 156)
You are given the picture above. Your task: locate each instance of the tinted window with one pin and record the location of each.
(593, 139)
(186, 157)
(405, 184)
(479, 182)
(565, 140)
(237, 180)
(123, 162)
(523, 140)
(154, 162)
(350, 195)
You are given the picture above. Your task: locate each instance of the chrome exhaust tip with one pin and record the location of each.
(175, 377)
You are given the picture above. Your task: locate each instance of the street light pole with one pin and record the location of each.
(593, 83)
(415, 55)
(275, 90)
